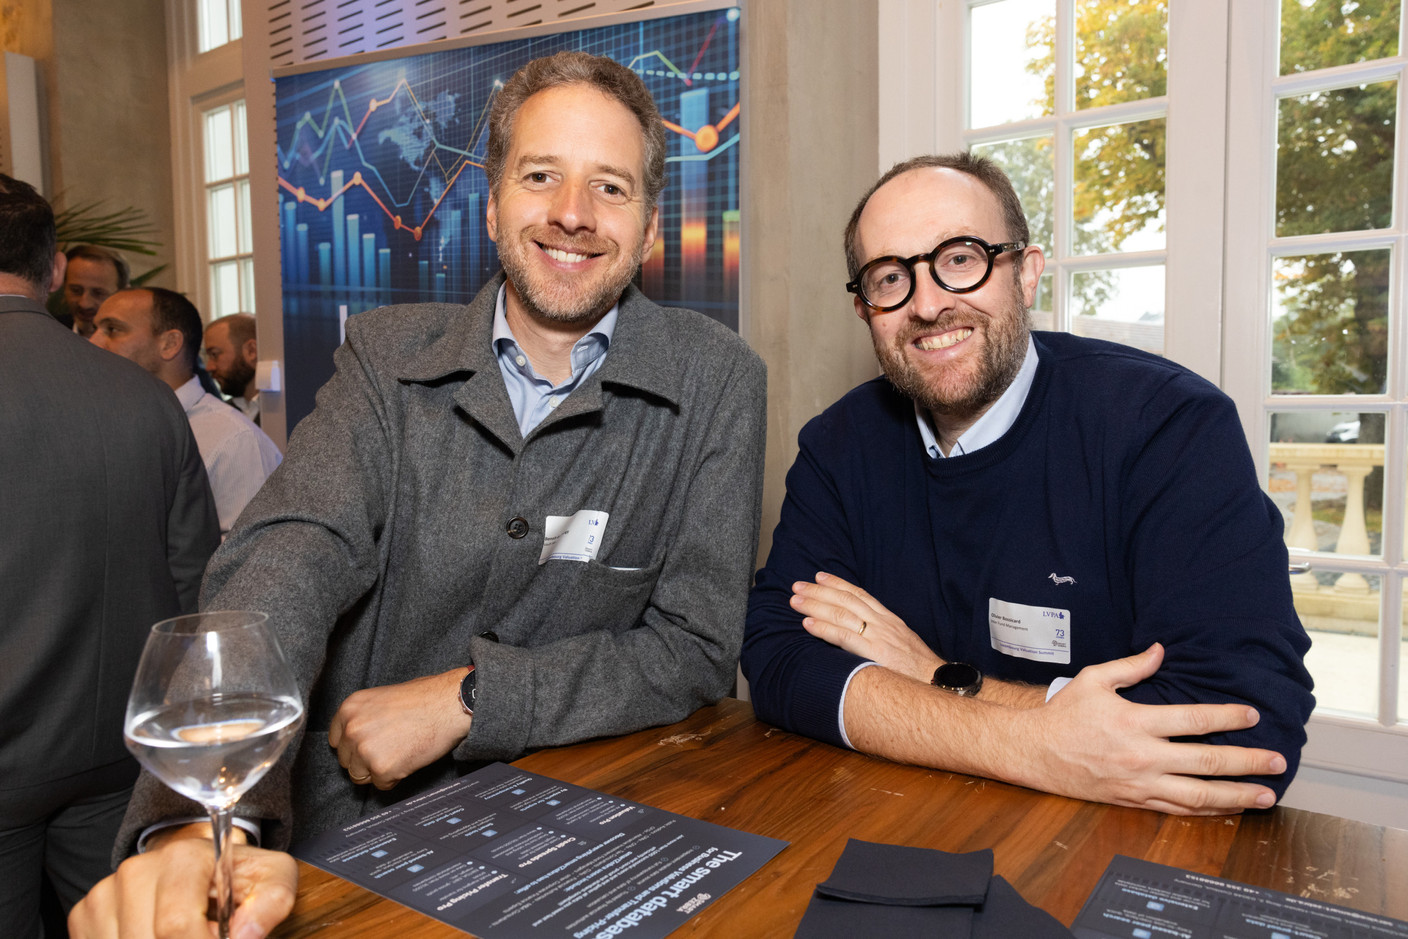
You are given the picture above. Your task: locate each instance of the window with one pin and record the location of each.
(1284, 246)
(210, 156)
(1070, 98)
(218, 23)
(229, 247)
(1312, 165)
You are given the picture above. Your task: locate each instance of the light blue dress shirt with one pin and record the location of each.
(534, 397)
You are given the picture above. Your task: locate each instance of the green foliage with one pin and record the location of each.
(1319, 34)
(1335, 163)
(1121, 55)
(127, 229)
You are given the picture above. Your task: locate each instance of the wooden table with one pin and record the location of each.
(724, 766)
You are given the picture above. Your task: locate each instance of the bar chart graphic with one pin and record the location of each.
(381, 184)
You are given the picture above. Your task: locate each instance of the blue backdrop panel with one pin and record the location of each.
(382, 188)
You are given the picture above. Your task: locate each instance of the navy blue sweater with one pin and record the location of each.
(1124, 494)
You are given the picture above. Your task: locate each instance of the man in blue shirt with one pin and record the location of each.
(1027, 556)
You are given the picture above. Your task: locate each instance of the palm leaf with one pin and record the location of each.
(126, 229)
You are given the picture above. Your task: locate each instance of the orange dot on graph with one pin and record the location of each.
(706, 138)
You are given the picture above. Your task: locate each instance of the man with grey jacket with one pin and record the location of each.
(511, 525)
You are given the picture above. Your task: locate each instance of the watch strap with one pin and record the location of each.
(468, 690)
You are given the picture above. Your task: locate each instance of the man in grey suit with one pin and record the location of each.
(107, 526)
(516, 524)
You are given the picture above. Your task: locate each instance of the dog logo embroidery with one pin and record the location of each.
(1058, 581)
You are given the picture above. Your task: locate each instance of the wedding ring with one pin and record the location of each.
(359, 780)
(863, 624)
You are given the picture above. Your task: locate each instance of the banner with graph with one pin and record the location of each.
(382, 187)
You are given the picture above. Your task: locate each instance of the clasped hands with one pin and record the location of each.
(1087, 742)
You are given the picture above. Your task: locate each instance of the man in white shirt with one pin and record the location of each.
(231, 355)
(160, 330)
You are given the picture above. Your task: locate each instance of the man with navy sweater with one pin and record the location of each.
(1028, 556)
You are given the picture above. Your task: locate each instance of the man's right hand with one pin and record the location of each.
(165, 893)
(1089, 743)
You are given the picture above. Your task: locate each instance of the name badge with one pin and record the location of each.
(1030, 632)
(573, 537)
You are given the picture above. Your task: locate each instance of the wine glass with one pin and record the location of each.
(213, 705)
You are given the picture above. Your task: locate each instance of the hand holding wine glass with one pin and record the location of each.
(213, 706)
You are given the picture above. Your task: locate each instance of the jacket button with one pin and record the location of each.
(517, 527)
(490, 635)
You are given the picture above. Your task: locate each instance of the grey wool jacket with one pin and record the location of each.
(383, 548)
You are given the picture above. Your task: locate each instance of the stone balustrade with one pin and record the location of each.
(1349, 605)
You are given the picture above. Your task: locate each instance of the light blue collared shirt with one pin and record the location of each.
(986, 430)
(532, 396)
(994, 422)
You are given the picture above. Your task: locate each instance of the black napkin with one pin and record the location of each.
(902, 876)
(845, 919)
(1005, 914)
(898, 891)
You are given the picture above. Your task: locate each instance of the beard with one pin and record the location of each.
(567, 298)
(237, 379)
(953, 394)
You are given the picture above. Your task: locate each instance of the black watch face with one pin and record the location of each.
(956, 676)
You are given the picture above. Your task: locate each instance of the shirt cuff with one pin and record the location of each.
(1056, 686)
(841, 707)
(248, 826)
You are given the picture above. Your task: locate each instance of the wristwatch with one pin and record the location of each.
(468, 687)
(959, 678)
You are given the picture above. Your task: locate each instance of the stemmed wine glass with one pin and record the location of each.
(213, 705)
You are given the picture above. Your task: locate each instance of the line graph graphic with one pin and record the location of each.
(381, 182)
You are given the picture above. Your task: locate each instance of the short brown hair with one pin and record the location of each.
(242, 327)
(106, 256)
(606, 75)
(980, 168)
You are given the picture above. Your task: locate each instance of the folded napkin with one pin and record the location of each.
(898, 891)
(903, 876)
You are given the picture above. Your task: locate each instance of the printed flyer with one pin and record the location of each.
(507, 854)
(1144, 900)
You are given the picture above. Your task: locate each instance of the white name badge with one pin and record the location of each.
(1030, 632)
(573, 537)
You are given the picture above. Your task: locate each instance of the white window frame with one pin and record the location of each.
(1372, 749)
(199, 82)
(922, 101)
(203, 107)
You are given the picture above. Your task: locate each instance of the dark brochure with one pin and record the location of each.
(1150, 901)
(504, 853)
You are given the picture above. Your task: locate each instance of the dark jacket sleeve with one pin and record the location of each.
(1205, 555)
(795, 680)
(192, 528)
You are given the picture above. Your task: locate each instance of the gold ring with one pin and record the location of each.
(359, 780)
(863, 624)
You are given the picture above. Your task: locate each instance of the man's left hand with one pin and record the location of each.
(384, 734)
(846, 616)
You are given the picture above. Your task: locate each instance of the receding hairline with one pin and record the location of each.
(962, 176)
